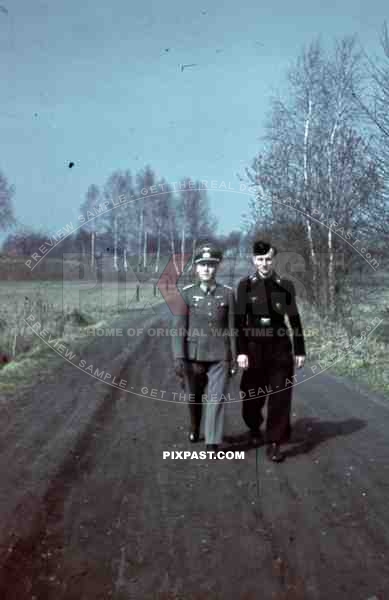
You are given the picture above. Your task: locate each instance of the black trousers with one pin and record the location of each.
(269, 376)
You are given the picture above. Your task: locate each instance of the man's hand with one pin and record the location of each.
(198, 368)
(300, 360)
(243, 361)
(232, 368)
(179, 367)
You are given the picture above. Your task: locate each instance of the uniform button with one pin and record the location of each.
(210, 314)
(209, 304)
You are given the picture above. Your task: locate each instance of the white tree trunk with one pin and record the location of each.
(182, 247)
(158, 249)
(92, 248)
(125, 264)
(115, 244)
(194, 244)
(145, 251)
(171, 221)
(308, 203)
(312, 251)
(331, 266)
(172, 245)
(140, 232)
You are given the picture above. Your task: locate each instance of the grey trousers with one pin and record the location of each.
(199, 375)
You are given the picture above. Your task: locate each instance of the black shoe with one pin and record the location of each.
(193, 436)
(274, 453)
(212, 447)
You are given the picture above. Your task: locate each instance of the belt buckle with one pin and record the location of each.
(265, 320)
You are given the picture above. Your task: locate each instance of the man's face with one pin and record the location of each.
(264, 262)
(206, 271)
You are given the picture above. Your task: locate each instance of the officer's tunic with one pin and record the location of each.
(206, 338)
(262, 303)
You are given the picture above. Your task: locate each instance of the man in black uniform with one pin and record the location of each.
(205, 345)
(265, 350)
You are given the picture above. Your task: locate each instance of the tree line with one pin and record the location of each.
(152, 220)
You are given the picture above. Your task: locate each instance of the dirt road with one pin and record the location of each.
(90, 509)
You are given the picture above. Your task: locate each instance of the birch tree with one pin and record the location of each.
(116, 222)
(318, 160)
(373, 101)
(145, 182)
(160, 219)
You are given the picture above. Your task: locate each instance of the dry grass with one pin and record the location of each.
(64, 313)
(62, 309)
(367, 359)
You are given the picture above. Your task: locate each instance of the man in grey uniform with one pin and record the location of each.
(205, 346)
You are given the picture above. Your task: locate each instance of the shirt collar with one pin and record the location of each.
(205, 288)
(260, 276)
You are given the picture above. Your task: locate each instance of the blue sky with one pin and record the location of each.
(107, 95)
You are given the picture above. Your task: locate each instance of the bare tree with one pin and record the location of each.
(194, 217)
(184, 208)
(374, 104)
(7, 218)
(89, 210)
(318, 161)
(145, 190)
(173, 228)
(202, 224)
(160, 218)
(24, 241)
(119, 185)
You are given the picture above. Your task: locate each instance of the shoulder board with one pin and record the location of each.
(227, 286)
(277, 278)
(245, 282)
(186, 287)
(244, 279)
(286, 282)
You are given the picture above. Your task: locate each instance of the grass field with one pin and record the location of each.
(365, 332)
(65, 311)
(63, 308)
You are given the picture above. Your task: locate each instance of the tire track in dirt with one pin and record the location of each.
(31, 559)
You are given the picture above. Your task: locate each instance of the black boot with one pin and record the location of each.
(195, 410)
(274, 453)
(212, 447)
(193, 436)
